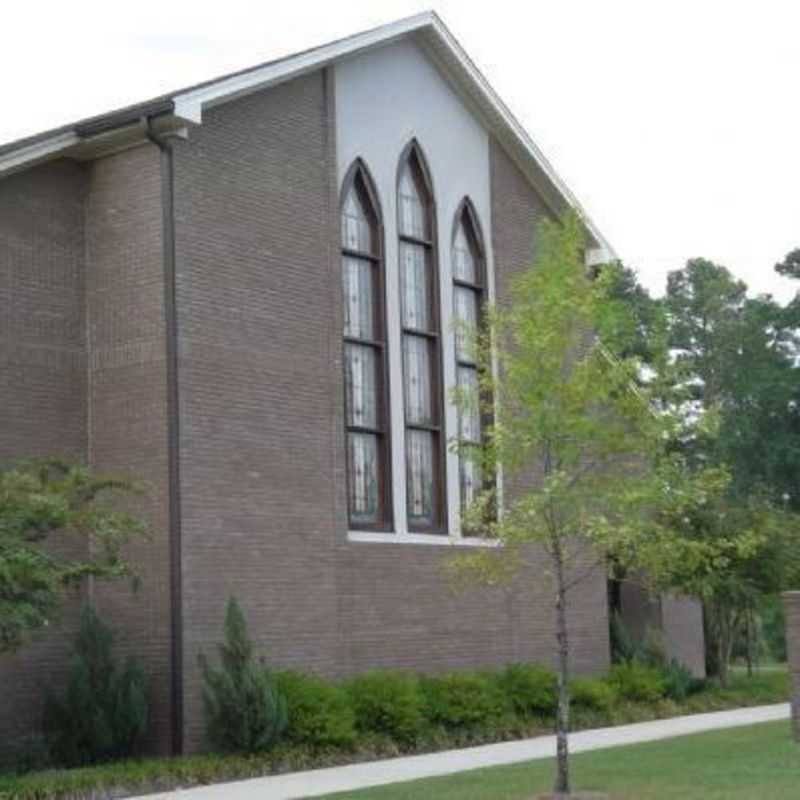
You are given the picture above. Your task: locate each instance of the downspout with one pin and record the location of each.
(173, 431)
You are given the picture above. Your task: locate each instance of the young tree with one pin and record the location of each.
(565, 410)
(56, 529)
(586, 437)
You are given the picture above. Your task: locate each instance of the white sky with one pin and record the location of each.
(677, 123)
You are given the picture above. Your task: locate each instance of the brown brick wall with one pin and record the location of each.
(42, 383)
(258, 296)
(791, 601)
(42, 348)
(256, 300)
(127, 395)
(260, 398)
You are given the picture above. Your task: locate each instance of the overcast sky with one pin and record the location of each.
(677, 124)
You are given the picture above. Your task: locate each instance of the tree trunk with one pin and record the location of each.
(748, 634)
(562, 783)
(725, 626)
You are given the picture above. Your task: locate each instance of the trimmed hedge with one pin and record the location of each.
(593, 694)
(637, 682)
(530, 689)
(388, 703)
(464, 701)
(320, 713)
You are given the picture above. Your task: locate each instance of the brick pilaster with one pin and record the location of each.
(791, 602)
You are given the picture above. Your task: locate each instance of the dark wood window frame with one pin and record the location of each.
(467, 218)
(358, 179)
(414, 159)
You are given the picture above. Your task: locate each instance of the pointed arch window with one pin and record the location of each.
(365, 379)
(469, 274)
(419, 318)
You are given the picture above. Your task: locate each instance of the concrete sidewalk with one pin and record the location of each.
(360, 776)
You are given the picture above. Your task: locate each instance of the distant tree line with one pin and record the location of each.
(729, 362)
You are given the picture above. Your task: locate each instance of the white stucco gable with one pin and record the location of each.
(385, 98)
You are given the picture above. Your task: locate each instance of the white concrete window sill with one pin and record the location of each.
(436, 540)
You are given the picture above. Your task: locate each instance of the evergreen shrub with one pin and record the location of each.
(104, 712)
(245, 711)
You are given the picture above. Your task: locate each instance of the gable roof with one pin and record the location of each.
(91, 137)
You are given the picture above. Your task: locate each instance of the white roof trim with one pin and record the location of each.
(190, 104)
(38, 151)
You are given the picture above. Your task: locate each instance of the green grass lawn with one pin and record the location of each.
(759, 762)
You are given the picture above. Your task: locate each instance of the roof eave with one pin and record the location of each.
(91, 138)
(188, 106)
(446, 50)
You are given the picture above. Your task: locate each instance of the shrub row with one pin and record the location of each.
(406, 708)
(250, 709)
(327, 741)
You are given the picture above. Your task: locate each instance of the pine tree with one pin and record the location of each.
(245, 711)
(103, 714)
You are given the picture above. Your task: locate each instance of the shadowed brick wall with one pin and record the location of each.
(42, 381)
(678, 618)
(82, 375)
(127, 396)
(682, 623)
(791, 602)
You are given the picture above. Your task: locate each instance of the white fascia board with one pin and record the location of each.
(37, 152)
(189, 105)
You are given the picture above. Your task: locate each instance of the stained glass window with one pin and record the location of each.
(364, 353)
(468, 272)
(420, 342)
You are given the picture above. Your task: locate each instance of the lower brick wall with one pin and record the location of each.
(397, 610)
(791, 602)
